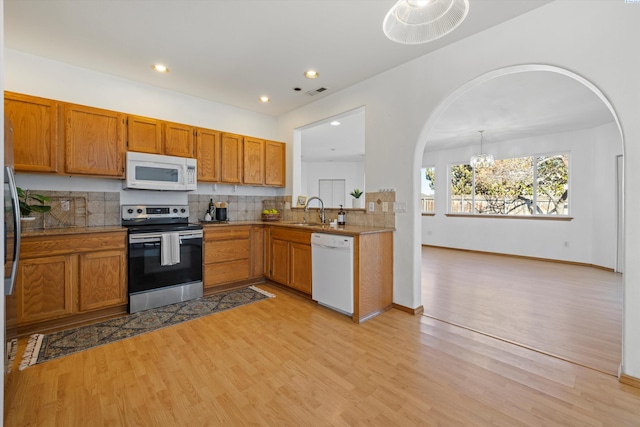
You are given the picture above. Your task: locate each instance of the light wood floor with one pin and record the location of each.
(288, 362)
(574, 312)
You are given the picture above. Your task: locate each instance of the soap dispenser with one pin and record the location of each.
(341, 216)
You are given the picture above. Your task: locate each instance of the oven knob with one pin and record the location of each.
(183, 210)
(175, 210)
(130, 211)
(139, 211)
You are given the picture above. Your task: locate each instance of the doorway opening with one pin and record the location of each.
(530, 110)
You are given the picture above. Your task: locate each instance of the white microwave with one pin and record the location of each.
(156, 172)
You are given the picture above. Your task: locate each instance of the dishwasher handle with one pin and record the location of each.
(315, 245)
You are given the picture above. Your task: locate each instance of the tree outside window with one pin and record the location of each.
(535, 185)
(428, 187)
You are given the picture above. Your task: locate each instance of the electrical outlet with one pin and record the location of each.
(385, 206)
(372, 206)
(287, 205)
(65, 205)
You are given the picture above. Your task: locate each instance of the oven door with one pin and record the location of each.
(146, 271)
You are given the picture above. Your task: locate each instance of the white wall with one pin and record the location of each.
(351, 172)
(590, 236)
(402, 105)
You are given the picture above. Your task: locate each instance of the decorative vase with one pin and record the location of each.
(356, 203)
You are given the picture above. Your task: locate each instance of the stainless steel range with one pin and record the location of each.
(165, 256)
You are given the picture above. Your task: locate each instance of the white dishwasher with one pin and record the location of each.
(332, 271)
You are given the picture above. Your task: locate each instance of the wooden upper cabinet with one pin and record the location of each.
(253, 164)
(275, 163)
(94, 141)
(208, 155)
(178, 139)
(231, 158)
(35, 126)
(144, 135)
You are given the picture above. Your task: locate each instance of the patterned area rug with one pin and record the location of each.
(42, 348)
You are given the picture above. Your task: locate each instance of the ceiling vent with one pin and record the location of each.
(316, 91)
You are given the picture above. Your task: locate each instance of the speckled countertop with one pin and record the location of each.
(351, 230)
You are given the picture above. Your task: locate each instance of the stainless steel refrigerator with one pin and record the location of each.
(11, 241)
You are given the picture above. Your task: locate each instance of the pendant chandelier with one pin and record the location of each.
(481, 160)
(421, 21)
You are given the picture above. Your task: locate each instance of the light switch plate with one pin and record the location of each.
(385, 206)
(400, 207)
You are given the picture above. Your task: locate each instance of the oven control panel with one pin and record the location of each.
(130, 212)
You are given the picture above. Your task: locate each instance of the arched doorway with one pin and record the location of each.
(500, 236)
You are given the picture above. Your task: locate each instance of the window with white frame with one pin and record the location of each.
(534, 185)
(428, 187)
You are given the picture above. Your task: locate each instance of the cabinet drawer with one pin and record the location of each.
(227, 233)
(43, 246)
(226, 250)
(296, 236)
(226, 272)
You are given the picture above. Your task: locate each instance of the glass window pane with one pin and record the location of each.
(461, 189)
(506, 188)
(428, 187)
(552, 195)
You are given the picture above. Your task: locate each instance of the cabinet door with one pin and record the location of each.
(44, 289)
(102, 281)
(275, 164)
(257, 251)
(144, 135)
(208, 155)
(231, 158)
(35, 126)
(178, 140)
(300, 267)
(94, 141)
(280, 261)
(253, 163)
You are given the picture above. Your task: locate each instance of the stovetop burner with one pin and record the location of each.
(157, 218)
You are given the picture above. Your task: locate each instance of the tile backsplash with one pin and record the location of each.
(77, 209)
(99, 209)
(249, 208)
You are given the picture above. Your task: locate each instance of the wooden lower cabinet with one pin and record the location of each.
(232, 254)
(100, 274)
(373, 275)
(257, 251)
(300, 267)
(44, 288)
(290, 258)
(62, 276)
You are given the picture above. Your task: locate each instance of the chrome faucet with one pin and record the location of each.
(306, 208)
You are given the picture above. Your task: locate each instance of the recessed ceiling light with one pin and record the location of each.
(335, 123)
(311, 74)
(264, 99)
(160, 68)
